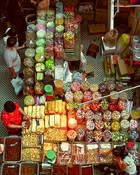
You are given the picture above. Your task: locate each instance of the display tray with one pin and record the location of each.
(29, 168)
(12, 149)
(10, 169)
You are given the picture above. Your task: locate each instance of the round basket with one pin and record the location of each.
(30, 19)
(111, 38)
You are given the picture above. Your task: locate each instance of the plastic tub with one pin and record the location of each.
(12, 149)
(10, 168)
(29, 168)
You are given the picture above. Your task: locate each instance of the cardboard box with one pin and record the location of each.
(97, 29)
(101, 16)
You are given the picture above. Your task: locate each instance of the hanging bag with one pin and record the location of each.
(17, 84)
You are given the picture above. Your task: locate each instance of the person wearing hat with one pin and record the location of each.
(12, 117)
(122, 159)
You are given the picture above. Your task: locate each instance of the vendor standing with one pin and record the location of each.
(12, 117)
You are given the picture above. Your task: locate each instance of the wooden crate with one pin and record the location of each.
(101, 16)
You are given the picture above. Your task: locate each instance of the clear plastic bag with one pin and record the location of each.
(17, 84)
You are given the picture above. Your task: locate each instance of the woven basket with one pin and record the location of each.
(28, 17)
(111, 38)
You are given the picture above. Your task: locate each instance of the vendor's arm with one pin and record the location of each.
(20, 47)
(121, 163)
(14, 126)
(26, 117)
(104, 154)
(12, 71)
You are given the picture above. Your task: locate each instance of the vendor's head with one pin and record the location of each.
(12, 32)
(11, 41)
(119, 152)
(9, 106)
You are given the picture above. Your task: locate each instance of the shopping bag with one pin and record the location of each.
(17, 84)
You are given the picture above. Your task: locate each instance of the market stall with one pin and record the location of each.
(72, 121)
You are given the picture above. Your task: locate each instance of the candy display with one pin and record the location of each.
(122, 105)
(135, 114)
(78, 150)
(92, 153)
(123, 136)
(107, 135)
(110, 86)
(104, 148)
(115, 126)
(107, 125)
(95, 106)
(113, 106)
(116, 115)
(85, 86)
(107, 115)
(78, 96)
(93, 87)
(125, 115)
(98, 116)
(87, 96)
(114, 96)
(133, 135)
(86, 107)
(75, 86)
(116, 136)
(90, 125)
(72, 123)
(98, 135)
(89, 115)
(99, 124)
(96, 95)
(123, 96)
(80, 115)
(124, 124)
(71, 135)
(133, 124)
(89, 136)
(80, 134)
(102, 87)
(104, 105)
(69, 97)
(69, 41)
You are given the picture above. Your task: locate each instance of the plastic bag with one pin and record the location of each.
(83, 62)
(17, 84)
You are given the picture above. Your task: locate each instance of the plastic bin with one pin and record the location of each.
(10, 168)
(29, 168)
(12, 149)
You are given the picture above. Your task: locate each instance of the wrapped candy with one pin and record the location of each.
(113, 106)
(107, 115)
(69, 97)
(67, 86)
(125, 115)
(123, 96)
(86, 107)
(80, 116)
(69, 40)
(89, 136)
(90, 125)
(122, 105)
(70, 106)
(98, 135)
(133, 124)
(78, 96)
(110, 86)
(107, 125)
(116, 115)
(96, 96)
(115, 126)
(98, 116)
(49, 48)
(58, 51)
(99, 124)
(87, 96)
(123, 136)
(114, 96)
(75, 86)
(104, 105)
(116, 136)
(85, 86)
(89, 115)
(107, 135)
(133, 135)
(119, 86)
(80, 134)
(124, 124)
(95, 106)
(58, 41)
(102, 87)
(71, 114)
(93, 87)
(71, 134)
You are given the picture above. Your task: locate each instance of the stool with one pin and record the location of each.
(92, 50)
